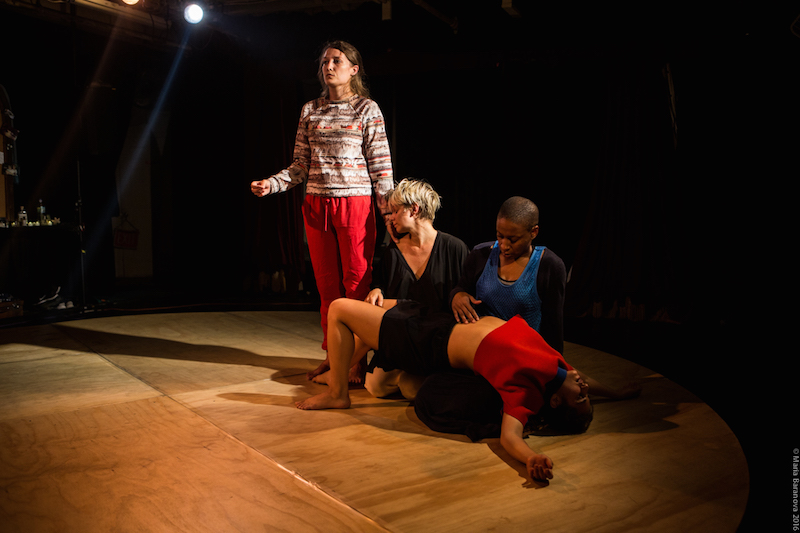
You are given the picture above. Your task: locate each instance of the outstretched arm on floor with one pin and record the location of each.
(538, 465)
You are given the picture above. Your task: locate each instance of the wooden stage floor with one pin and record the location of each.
(186, 422)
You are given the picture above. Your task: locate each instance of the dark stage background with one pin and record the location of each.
(571, 108)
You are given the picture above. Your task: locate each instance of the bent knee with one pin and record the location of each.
(409, 385)
(380, 385)
(340, 308)
(337, 305)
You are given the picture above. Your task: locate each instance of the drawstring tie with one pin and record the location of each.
(325, 214)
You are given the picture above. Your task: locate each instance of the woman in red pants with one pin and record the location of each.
(342, 154)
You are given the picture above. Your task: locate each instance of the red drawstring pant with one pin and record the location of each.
(341, 236)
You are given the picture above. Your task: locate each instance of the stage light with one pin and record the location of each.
(193, 13)
(130, 2)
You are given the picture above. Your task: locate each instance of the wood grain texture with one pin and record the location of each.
(186, 422)
(196, 351)
(151, 465)
(49, 372)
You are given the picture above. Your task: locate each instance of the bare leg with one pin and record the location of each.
(322, 379)
(357, 366)
(357, 371)
(409, 385)
(346, 319)
(321, 369)
(381, 383)
(631, 390)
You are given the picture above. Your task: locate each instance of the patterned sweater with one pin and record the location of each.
(341, 150)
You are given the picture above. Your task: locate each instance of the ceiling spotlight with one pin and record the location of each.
(130, 2)
(193, 13)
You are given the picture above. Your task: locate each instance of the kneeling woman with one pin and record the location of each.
(529, 375)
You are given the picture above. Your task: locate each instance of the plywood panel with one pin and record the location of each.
(196, 351)
(42, 371)
(380, 459)
(150, 465)
(216, 418)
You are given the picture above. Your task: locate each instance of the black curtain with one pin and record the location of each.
(625, 262)
(275, 231)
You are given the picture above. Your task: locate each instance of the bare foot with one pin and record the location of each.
(323, 401)
(357, 372)
(322, 379)
(323, 367)
(355, 377)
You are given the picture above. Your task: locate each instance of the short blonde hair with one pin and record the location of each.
(411, 191)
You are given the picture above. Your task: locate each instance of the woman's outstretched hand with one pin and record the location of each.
(540, 467)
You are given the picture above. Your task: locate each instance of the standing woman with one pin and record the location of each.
(342, 153)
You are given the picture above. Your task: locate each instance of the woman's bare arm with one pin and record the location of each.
(631, 390)
(538, 465)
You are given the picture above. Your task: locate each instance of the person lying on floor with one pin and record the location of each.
(505, 277)
(531, 377)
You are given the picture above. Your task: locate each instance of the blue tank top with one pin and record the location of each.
(508, 300)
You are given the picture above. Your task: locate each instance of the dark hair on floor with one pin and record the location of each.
(561, 420)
